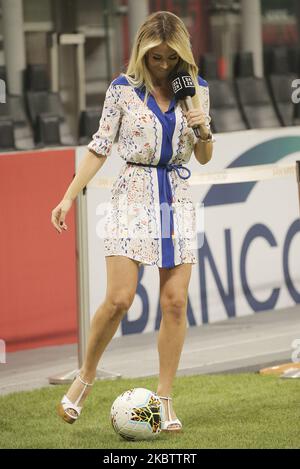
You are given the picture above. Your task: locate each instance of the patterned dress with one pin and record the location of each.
(151, 218)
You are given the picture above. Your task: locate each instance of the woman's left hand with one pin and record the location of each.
(196, 118)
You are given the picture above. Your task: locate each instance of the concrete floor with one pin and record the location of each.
(240, 344)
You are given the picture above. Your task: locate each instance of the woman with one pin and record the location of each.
(155, 138)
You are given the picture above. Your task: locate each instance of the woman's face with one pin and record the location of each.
(161, 60)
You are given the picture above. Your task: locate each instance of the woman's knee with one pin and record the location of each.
(119, 303)
(174, 305)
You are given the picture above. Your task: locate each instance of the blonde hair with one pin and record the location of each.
(162, 26)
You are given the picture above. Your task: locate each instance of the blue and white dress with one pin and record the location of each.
(152, 216)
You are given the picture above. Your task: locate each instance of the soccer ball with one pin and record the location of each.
(136, 414)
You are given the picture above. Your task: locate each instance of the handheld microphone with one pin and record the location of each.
(184, 89)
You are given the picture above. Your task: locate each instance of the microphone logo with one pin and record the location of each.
(176, 85)
(188, 82)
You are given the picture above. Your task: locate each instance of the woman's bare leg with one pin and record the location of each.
(173, 302)
(122, 278)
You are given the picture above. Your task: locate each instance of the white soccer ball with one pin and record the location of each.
(136, 414)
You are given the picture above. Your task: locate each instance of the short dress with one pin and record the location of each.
(151, 216)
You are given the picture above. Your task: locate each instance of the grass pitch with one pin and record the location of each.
(217, 411)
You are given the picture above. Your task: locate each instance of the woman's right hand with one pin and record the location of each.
(59, 214)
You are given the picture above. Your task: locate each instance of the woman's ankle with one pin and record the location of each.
(79, 388)
(87, 376)
(169, 412)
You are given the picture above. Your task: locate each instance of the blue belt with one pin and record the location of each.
(167, 166)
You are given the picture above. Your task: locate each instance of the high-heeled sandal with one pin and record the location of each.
(167, 423)
(66, 404)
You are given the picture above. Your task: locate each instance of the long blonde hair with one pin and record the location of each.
(162, 26)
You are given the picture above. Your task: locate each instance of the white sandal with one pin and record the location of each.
(167, 423)
(66, 404)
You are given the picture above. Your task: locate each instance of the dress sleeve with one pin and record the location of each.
(204, 101)
(103, 139)
(204, 96)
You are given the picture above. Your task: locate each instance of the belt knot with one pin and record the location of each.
(176, 167)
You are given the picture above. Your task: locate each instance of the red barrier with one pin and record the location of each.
(37, 264)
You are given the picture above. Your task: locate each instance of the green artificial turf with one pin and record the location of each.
(217, 411)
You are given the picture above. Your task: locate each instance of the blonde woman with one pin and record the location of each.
(155, 137)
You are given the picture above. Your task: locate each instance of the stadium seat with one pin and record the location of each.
(208, 66)
(7, 140)
(22, 128)
(224, 109)
(243, 65)
(280, 81)
(88, 124)
(41, 101)
(14, 110)
(47, 130)
(294, 60)
(253, 95)
(281, 92)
